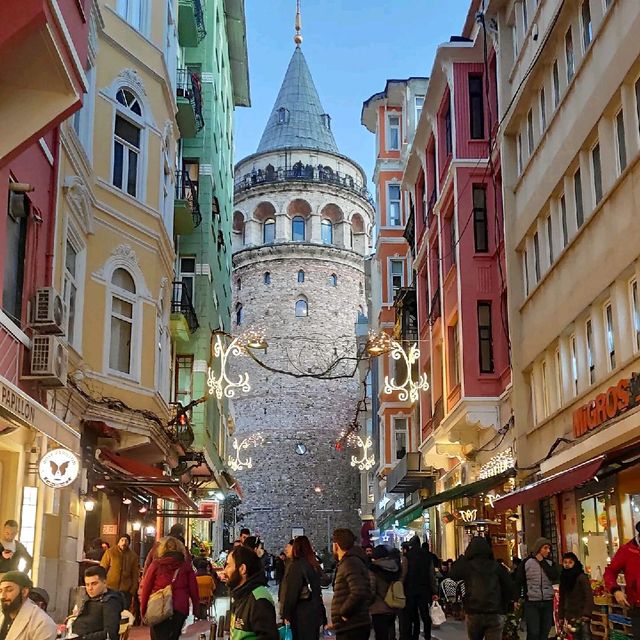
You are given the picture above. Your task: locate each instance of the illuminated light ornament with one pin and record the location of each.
(223, 386)
(500, 463)
(468, 515)
(237, 463)
(378, 343)
(366, 461)
(409, 390)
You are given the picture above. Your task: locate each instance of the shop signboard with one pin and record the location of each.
(58, 468)
(615, 401)
(209, 509)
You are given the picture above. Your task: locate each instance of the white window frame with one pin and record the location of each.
(571, 68)
(389, 127)
(555, 83)
(594, 195)
(391, 274)
(73, 239)
(418, 108)
(531, 143)
(390, 222)
(405, 430)
(544, 381)
(126, 10)
(609, 335)
(583, 31)
(138, 121)
(634, 306)
(525, 272)
(591, 356)
(559, 378)
(136, 325)
(562, 203)
(550, 248)
(619, 118)
(191, 275)
(573, 356)
(542, 99)
(519, 153)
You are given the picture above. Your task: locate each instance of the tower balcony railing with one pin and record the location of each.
(301, 173)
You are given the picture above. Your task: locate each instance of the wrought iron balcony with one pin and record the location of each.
(301, 173)
(181, 305)
(410, 474)
(434, 307)
(406, 308)
(189, 94)
(410, 232)
(186, 201)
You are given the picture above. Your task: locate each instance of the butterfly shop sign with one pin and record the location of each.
(58, 468)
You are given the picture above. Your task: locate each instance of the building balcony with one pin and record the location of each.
(410, 232)
(191, 29)
(406, 307)
(410, 474)
(301, 173)
(180, 428)
(435, 310)
(186, 207)
(184, 320)
(189, 94)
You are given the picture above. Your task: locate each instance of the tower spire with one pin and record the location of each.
(298, 37)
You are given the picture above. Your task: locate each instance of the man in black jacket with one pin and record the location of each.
(420, 589)
(99, 616)
(253, 614)
(12, 551)
(488, 590)
(352, 592)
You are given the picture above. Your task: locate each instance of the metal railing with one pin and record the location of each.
(188, 86)
(181, 303)
(198, 14)
(434, 307)
(410, 232)
(187, 189)
(302, 173)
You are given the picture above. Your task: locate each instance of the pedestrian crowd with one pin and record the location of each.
(373, 588)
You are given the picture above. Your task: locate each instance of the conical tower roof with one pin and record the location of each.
(297, 119)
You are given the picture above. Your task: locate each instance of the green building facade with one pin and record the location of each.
(212, 79)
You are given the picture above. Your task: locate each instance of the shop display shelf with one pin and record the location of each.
(615, 634)
(600, 617)
(615, 618)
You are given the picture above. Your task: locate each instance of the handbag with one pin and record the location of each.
(160, 605)
(305, 593)
(395, 598)
(437, 614)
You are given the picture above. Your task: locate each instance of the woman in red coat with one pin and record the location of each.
(161, 571)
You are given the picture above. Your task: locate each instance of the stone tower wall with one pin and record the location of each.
(280, 490)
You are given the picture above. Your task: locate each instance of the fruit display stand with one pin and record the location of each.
(600, 617)
(619, 622)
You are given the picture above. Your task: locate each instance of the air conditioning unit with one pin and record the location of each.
(49, 361)
(48, 314)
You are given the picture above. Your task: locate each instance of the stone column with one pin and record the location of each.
(314, 228)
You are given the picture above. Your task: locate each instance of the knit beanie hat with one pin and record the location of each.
(539, 543)
(19, 578)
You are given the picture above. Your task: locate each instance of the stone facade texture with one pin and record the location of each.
(286, 489)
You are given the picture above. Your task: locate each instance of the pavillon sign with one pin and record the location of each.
(615, 401)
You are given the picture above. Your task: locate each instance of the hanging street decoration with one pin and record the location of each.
(236, 463)
(365, 461)
(223, 386)
(409, 390)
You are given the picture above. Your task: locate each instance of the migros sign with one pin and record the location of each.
(606, 406)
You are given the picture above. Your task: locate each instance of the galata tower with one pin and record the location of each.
(302, 229)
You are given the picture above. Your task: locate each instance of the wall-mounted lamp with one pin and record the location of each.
(137, 525)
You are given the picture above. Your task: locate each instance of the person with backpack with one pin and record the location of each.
(389, 592)
(535, 578)
(420, 589)
(488, 590)
(253, 614)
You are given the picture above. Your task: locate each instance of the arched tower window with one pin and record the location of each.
(123, 318)
(301, 276)
(333, 280)
(239, 314)
(302, 308)
(269, 231)
(239, 284)
(266, 278)
(327, 231)
(298, 229)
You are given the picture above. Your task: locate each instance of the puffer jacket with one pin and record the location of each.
(627, 561)
(160, 574)
(488, 588)
(99, 618)
(253, 615)
(383, 572)
(352, 592)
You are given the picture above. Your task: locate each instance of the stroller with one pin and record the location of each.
(452, 594)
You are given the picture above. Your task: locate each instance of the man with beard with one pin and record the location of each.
(123, 568)
(22, 619)
(13, 552)
(99, 616)
(253, 614)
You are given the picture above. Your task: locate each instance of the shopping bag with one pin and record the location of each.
(437, 614)
(284, 632)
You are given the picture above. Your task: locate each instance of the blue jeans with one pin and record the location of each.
(538, 617)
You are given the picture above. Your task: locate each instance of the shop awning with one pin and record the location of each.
(144, 473)
(550, 486)
(410, 513)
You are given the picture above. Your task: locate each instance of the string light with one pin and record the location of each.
(409, 390)
(500, 463)
(366, 461)
(236, 463)
(222, 386)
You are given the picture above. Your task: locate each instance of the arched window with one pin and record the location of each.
(297, 229)
(239, 314)
(239, 284)
(127, 142)
(122, 321)
(301, 276)
(266, 278)
(327, 231)
(269, 231)
(302, 308)
(333, 280)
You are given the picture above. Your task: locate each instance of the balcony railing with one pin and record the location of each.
(181, 303)
(187, 190)
(438, 413)
(434, 307)
(410, 232)
(189, 86)
(198, 14)
(431, 204)
(406, 308)
(301, 173)
(410, 474)
(180, 425)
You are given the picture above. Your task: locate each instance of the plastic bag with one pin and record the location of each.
(437, 614)
(285, 632)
